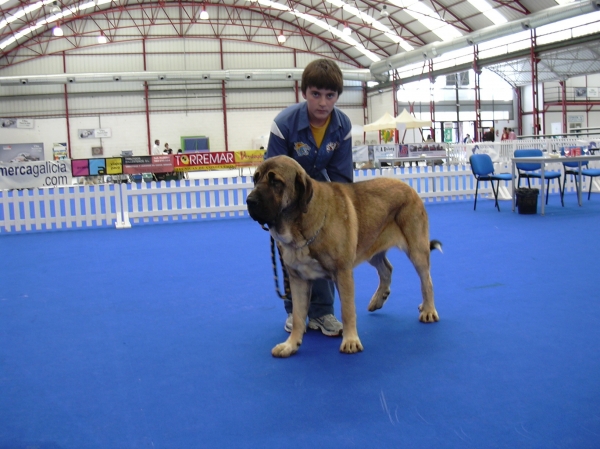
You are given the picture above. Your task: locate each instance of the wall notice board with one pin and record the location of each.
(195, 143)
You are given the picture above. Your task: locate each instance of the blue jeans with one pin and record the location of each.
(321, 299)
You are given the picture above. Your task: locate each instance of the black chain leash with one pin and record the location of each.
(286, 278)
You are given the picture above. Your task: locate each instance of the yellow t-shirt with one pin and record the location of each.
(319, 132)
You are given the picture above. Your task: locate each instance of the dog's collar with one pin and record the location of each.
(313, 238)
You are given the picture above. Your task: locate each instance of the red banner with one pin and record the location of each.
(204, 161)
(133, 165)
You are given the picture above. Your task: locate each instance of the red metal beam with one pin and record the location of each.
(534, 85)
(224, 99)
(67, 118)
(477, 72)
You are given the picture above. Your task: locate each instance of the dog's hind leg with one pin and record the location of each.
(384, 269)
(420, 259)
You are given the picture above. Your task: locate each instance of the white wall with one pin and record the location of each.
(246, 130)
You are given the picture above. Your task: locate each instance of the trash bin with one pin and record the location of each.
(527, 200)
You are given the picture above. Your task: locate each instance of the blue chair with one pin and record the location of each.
(483, 170)
(572, 168)
(530, 170)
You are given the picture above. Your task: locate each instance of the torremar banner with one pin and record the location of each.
(204, 161)
(23, 175)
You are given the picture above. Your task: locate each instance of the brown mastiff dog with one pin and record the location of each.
(324, 230)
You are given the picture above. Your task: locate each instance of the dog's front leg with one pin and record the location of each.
(345, 285)
(300, 302)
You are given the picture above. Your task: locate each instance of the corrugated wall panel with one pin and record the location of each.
(46, 65)
(260, 100)
(103, 63)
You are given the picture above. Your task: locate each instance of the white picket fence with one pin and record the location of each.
(503, 151)
(124, 205)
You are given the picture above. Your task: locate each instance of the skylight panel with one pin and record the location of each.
(429, 18)
(488, 10)
(569, 23)
(370, 20)
(87, 5)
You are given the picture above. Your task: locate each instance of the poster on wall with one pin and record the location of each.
(91, 133)
(21, 152)
(59, 151)
(97, 151)
(592, 92)
(30, 174)
(19, 123)
(580, 92)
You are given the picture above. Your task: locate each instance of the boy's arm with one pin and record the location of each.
(341, 167)
(277, 143)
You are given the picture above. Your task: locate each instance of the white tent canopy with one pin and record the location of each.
(410, 122)
(404, 121)
(386, 121)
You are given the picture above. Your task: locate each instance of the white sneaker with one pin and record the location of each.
(288, 324)
(328, 324)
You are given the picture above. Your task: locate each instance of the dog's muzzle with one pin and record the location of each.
(255, 206)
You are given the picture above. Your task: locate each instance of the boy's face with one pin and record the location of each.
(320, 103)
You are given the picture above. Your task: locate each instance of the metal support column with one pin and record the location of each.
(67, 118)
(519, 110)
(146, 101)
(563, 102)
(431, 101)
(224, 99)
(534, 85)
(365, 110)
(477, 73)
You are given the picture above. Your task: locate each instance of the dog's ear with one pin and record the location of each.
(304, 191)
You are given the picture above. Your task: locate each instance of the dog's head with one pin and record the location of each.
(281, 188)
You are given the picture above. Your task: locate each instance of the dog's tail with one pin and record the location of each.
(436, 244)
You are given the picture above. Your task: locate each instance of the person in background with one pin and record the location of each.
(156, 147)
(429, 138)
(511, 134)
(319, 137)
(488, 136)
(504, 134)
(168, 150)
(468, 139)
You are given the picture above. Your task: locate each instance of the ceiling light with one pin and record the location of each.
(347, 30)
(384, 12)
(204, 14)
(55, 8)
(102, 38)
(281, 38)
(57, 31)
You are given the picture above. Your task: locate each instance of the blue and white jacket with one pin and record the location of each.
(291, 135)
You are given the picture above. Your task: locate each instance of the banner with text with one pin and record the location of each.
(24, 175)
(204, 161)
(249, 158)
(135, 165)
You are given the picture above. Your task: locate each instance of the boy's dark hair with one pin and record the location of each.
(322, 74)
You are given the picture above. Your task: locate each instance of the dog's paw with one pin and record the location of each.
(378, 300)
(351, 345)
(284, 349)
(428, 316)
